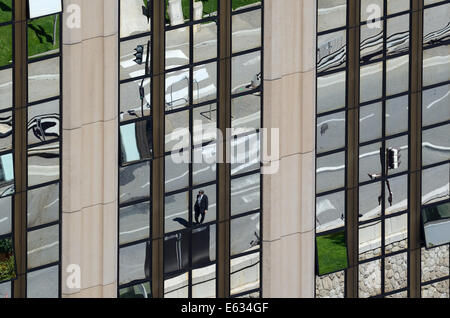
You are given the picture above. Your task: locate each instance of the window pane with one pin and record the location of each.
(142, 290)
(369, 240)
(245, 234)
(43, 246)
(245, 194)
(43, 164)
(43, 283)
(134, 222)
(136, 141)
(132, 263)
(7, 260)
(244, 273)
(43, 79)
(330, 173)
(436, 224)
(246, 30)
(332, 252)
(43, 205)
(43, 122)
(134, 182)
(5, 215)
(245, 72)
(135, 99)
(330, 212)
(331, 132)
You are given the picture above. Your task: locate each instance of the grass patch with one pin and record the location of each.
(40, 34)
(331, 252)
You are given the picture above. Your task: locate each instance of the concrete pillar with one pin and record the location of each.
(289, 104)
(90, 97)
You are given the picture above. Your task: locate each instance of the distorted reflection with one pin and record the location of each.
(436, 145)
(204, 83)
(6, 175)
(331, 51)
(136, 141)
(134, 182)
(435, 184)
(330, 211)
(331, 14)
(177, 287)
(135, 99)
(436, 223)
(43, 163)
(142, 290)
(43, 122)
(436, 24)
(177, 88)
(6, 130)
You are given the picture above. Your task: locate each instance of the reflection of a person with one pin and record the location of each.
(201, 206)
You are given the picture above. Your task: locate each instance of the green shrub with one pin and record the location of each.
(6, 246)
(7, 269)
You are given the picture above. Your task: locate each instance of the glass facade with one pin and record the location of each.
(30, 106)
(194, 96)
(384, 126)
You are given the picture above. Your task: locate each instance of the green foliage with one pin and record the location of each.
(7, 269)
(6, 246)
(332, 253)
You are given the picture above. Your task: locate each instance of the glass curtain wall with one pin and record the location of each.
(384, 112)
(42, 250)
(435, 150)
(191, 181)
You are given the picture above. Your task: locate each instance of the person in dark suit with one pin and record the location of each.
(201, 206)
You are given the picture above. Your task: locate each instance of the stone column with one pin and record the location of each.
(90, 168)
(289, 104)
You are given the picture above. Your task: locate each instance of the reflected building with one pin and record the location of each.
(116, 114)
